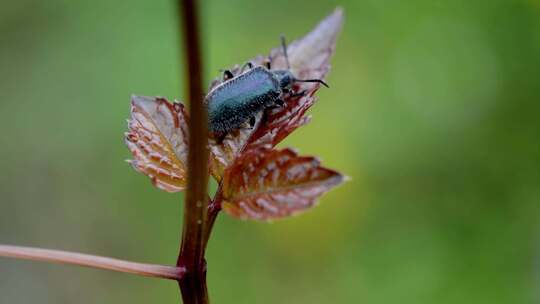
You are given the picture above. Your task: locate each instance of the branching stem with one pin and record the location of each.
(213, 210)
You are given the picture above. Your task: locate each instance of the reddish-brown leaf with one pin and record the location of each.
(271, 184)
(158, 140)
(309, 58)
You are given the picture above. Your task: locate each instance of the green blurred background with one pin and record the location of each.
(433, 111)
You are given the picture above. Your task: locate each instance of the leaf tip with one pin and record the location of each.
(339, 12)
(134, 98)
(336, 17)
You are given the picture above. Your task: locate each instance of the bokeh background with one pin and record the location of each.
(433, 111)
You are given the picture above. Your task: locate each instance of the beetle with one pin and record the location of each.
(239, 98)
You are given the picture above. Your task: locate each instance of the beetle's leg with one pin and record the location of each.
(268, 63)
(286, 91)
(299, 94)
(220, 137)
(248, 65)
(227, 75)
(251, 122)
(280, 102)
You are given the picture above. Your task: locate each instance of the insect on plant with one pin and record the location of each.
(240, 97)
(256, 180)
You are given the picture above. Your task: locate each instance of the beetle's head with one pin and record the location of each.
(285, 77)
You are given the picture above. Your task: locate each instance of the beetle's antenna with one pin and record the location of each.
(313, 80)
(284, 46)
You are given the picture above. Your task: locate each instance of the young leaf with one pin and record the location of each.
(271, 184)
(309, 58)
(158, 140)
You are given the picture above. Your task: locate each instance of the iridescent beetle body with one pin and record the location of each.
(240, 98)
(235, 101)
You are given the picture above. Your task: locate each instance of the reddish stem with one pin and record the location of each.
(213, 210)
(93, 261)
(193, 283)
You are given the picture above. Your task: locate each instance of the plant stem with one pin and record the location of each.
(193, 283)
(213, 210)
(86, 260)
